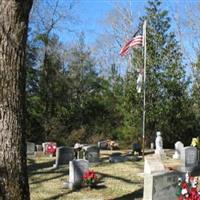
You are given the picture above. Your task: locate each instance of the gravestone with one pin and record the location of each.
(92, 153)
(38, 147)
(102, 145)
(178, 149)
(161, 185)
(116, 157)
(30, 148)
(137, 148)
(189, 159)
(77, 168)
(63, 155)
(153, 164)
(44, 147)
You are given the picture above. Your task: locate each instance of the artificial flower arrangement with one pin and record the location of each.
(188, 188)
(90, 179)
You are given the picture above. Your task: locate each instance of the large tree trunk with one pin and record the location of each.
(13, 35)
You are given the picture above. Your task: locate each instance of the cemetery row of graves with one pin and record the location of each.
(114, 174)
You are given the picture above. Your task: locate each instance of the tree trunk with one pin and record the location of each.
(13, 35)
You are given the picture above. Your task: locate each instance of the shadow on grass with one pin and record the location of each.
(46, 169)
(58, 196)
(63, 174)
(103, 175)
(33, 166)
(138, 194)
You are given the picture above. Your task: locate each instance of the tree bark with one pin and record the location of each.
(13, 35)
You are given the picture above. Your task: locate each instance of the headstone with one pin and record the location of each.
(102, 145)
(45, 145)
(178, 149)
(92, 154)
(77, 168)
(153, 164)
(161, 185)
(30, 148)
(189, 159)
(159, 144)
(137, 148)
(38, 147)
(63, 156)
(116, 157)
(152, 145)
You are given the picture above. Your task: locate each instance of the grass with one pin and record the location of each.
(120, 181)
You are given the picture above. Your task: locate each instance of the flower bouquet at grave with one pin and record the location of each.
(90, 179)
(187, 188)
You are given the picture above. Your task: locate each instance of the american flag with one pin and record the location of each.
(134, 43)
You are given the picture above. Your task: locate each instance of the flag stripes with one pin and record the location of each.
(134, 43)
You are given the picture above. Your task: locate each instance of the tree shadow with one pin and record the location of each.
(33, 166)
(58, 196)
(45, 168)
(136, 195)
(104, 175)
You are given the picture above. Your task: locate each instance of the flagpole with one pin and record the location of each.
(144, 88)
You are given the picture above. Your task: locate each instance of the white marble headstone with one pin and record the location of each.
(77, 168)
(178, 149)
(153, 164)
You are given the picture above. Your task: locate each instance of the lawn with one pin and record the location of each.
(119, 181)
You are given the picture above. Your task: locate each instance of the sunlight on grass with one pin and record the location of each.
(119, 179)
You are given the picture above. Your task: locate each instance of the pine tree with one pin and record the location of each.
(166, 84)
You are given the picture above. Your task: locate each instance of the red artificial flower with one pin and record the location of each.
(51, 149)
(90, 178)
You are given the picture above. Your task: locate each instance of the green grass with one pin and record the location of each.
(118, 181)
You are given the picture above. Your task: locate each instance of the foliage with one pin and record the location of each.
(167, 100)
(69, 100)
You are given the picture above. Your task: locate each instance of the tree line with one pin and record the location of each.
(70, 100)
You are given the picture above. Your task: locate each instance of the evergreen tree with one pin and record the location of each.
(195, 97)
(166, 86)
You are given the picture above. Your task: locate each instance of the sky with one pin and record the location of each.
(91, 13)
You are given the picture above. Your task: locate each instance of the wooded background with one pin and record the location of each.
(82, 93)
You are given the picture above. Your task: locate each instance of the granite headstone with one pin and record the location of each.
(92, 154)
(63, 155)
(189, 159)
(30, 148)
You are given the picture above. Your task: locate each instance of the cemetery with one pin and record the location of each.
(99, 100)
(113, 174)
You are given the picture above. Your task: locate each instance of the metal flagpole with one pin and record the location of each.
(144, 88)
